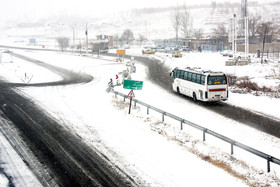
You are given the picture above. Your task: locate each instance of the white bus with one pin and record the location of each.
(204, 85)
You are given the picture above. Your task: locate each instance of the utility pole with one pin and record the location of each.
(234, 34)
(244, 9)
(246, 44)
(244, 25)
(86, 39)
(244, 14)
(73, 39)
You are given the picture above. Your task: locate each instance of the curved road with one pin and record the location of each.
(159, 74)
(70, 161)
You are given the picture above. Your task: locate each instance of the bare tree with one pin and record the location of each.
(278, 31)
(79, 47)
(221, 33)
(141, 39)
(266, 31)
(127, 36)
(253, 25)
(63, 42)
(176, 19)
(213, 5)
(186, 22)
(116, 40)
(198, 33)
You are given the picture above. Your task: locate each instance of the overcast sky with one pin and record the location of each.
(29, 9)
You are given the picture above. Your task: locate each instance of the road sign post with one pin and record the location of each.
(131, 94)
(132, 85)
(130, 105)
(120, 54)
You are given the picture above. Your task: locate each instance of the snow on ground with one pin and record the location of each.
(16, 70)
(154, 151)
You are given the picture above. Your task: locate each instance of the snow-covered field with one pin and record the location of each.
(155, 152)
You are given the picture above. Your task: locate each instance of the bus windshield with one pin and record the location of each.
(216, 80)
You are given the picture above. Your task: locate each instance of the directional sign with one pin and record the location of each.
(133, 85)
(121, 52)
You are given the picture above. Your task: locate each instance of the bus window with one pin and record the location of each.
(189, 76)
(178, 73)
(202, 79)
(186, 75)
(182, 74)
(214, 80)
(193, 77)
(198, 78)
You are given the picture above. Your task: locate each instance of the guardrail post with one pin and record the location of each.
(268, 163)
(231, 147)
(204, 130)
(123, 98)
(134, 103)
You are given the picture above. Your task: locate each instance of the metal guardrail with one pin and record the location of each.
(205, 131)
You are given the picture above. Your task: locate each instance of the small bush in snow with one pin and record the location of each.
(245, 85)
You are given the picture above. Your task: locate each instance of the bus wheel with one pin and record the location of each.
(194, 97)
(178, 90)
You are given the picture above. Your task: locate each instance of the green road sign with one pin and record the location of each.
(133, 85)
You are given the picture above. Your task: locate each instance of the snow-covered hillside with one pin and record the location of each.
(154, 23)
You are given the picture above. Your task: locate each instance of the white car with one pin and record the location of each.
(228, 53)
(185, 48)
(240, 55)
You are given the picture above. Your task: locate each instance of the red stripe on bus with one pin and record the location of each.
(217, 90)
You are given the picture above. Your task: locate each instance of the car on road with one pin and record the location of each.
(148, 51)
(228, 53)
(185, 48)
(241, 55)
(176, 54)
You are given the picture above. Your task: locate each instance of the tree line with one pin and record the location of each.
(182, 21)
(260, 31)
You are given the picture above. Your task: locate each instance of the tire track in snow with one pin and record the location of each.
(70, 160)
